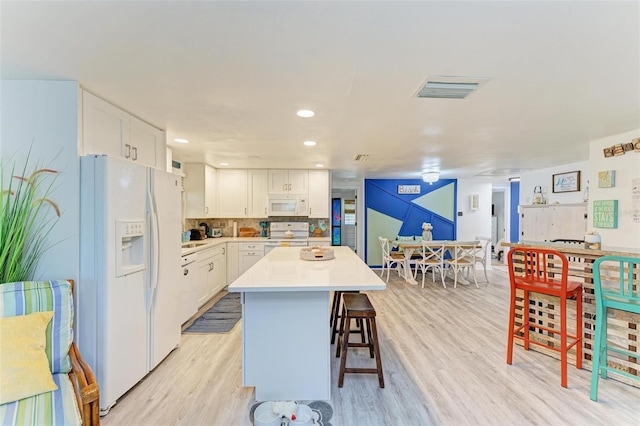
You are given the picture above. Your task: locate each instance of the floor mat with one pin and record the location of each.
(323, 411)
(220, 318)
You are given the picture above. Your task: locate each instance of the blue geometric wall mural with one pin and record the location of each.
(434, 203)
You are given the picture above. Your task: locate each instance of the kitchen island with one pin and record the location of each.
(285, 320)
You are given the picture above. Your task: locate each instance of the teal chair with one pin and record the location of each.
(616, 280)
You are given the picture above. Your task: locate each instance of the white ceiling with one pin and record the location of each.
(229, 76)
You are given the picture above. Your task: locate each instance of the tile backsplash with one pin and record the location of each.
(226, 224)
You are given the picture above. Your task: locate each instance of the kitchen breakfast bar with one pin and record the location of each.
(285, 320)
(623, 329)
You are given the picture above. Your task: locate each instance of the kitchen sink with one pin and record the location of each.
(194, 244)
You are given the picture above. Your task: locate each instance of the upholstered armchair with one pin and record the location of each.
(44, 379)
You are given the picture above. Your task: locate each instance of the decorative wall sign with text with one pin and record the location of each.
(408, 189)
(605, 214)
(566, 182)
(607, 179)
(622, 148)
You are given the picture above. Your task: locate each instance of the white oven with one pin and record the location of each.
(287, 234)
(288, 205)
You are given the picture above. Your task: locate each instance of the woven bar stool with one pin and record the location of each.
(357, 306)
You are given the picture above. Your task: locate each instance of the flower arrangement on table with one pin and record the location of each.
(426, 231)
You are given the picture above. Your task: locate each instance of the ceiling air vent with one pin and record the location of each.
(361, 157)
(450, 87)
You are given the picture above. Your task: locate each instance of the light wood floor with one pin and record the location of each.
(443, 355)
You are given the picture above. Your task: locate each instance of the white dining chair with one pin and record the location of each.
(390, 259)
(481, 253)
(463, 256)
(432, 258)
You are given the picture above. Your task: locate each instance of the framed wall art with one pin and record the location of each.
(566, 182)
(607, 179)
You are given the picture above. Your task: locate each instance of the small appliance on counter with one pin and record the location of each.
(206, 231)
(214, 233)
(264, 225)
(197, 234)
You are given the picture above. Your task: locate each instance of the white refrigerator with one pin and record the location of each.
(128, 295)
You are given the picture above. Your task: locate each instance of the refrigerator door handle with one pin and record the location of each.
(154, 234)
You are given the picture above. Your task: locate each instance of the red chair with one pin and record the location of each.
(544, 271)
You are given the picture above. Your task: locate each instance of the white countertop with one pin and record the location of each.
(283, 270)
(212, 242)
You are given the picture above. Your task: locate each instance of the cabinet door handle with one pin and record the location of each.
(289, 187)
(206, 210)
(245, 210)
(128, 153)
(223, 250)
(135, 153)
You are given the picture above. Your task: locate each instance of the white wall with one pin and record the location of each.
(44, 115)
(544, 178)
(627, 167)
(473, 223)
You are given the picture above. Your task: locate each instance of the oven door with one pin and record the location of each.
(270, 245)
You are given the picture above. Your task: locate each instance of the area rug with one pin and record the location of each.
(323, 411)
(220, 318)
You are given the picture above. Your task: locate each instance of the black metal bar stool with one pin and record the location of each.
(358, 306)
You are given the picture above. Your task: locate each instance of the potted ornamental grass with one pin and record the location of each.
(27, 216)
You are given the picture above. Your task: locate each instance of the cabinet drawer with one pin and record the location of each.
(259, 247)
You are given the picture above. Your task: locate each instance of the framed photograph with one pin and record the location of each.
(566, 182)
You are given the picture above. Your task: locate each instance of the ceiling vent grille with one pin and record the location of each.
(450, 87)
(361, 157)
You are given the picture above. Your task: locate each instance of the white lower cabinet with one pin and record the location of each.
(553, 221)
(232, 262)
(211, 273)
(248, 255)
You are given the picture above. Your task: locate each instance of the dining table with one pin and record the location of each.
(409, 248)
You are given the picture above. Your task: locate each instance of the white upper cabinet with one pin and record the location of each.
(319, 193)
(147, 144)
(258, 193)
(200, 190)
(232, 193)
(289, 182)
(106, 129)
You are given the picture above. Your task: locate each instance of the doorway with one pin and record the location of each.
(348, 215)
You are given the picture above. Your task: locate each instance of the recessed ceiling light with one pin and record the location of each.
(180, 140)
(305, 113)
(309, 143)
(319, 165)
(224, 164)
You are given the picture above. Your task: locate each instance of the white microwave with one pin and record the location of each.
(288, 205)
